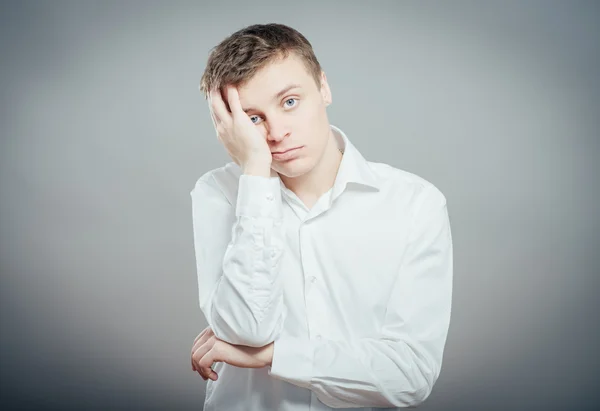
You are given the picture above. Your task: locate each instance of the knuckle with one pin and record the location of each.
(216, 349)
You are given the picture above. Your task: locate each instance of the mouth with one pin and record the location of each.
(281, 152)
(287, 154)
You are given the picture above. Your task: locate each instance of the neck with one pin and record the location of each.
(310, 186)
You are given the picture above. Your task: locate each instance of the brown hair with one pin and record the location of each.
(236, 59)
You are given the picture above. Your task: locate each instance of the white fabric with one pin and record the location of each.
(356, 292)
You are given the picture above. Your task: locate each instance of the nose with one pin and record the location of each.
(277, 130)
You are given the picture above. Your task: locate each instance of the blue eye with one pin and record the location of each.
(290, 99)
(254, 117)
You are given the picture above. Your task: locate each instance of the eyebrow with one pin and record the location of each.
(278, 95)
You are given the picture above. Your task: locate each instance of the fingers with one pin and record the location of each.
(233, 98)
(218, 126)
(206, 373)
(198, 342)
(204, 360)
(204, 343)
(204, 331)
(203, 338)
(194, 346)
(201, 348)
(219, 109)
(213, 117)
(207, 361)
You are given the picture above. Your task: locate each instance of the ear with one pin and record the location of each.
(325, 90)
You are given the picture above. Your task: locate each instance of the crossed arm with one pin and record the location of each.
(241, 296)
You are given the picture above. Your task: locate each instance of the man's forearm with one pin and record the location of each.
(246, 306)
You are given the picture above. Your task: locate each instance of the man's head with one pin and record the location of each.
(282, 88)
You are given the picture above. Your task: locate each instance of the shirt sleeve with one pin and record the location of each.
(399, 366)
(238, 253)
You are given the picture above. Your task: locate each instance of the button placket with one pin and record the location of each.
(311, 292)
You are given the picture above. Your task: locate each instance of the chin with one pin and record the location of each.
(294, 168)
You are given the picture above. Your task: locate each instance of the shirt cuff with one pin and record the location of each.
(259, 197)
(293, 360)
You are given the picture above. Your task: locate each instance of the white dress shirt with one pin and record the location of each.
(355, 292)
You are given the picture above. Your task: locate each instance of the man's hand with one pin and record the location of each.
(208, 349)
(243, 141)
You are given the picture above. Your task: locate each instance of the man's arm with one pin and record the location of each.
(399, 366)
(238, 250)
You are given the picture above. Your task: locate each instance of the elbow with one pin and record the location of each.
(250, 338)
(412, 398)
(250, 333)
(258, 339)
(420, 389)
(264, 333)
(420, 395)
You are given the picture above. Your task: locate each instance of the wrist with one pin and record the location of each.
(262, 169)
(269, 354)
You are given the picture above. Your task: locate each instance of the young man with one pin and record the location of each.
(325, 279)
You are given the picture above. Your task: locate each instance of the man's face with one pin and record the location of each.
(289, 109)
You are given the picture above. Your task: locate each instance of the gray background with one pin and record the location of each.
(104, 133)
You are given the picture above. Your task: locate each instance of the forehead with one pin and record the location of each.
(275, 76)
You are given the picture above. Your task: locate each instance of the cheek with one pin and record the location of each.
(310, 115)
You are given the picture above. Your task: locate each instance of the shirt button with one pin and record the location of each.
(273, 253)
(270, 197)
(313, 279)
(319, 337)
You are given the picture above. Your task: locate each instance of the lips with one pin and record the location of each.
(285, 151)
(287, 154)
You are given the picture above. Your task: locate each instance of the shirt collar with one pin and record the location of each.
(353, 168)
